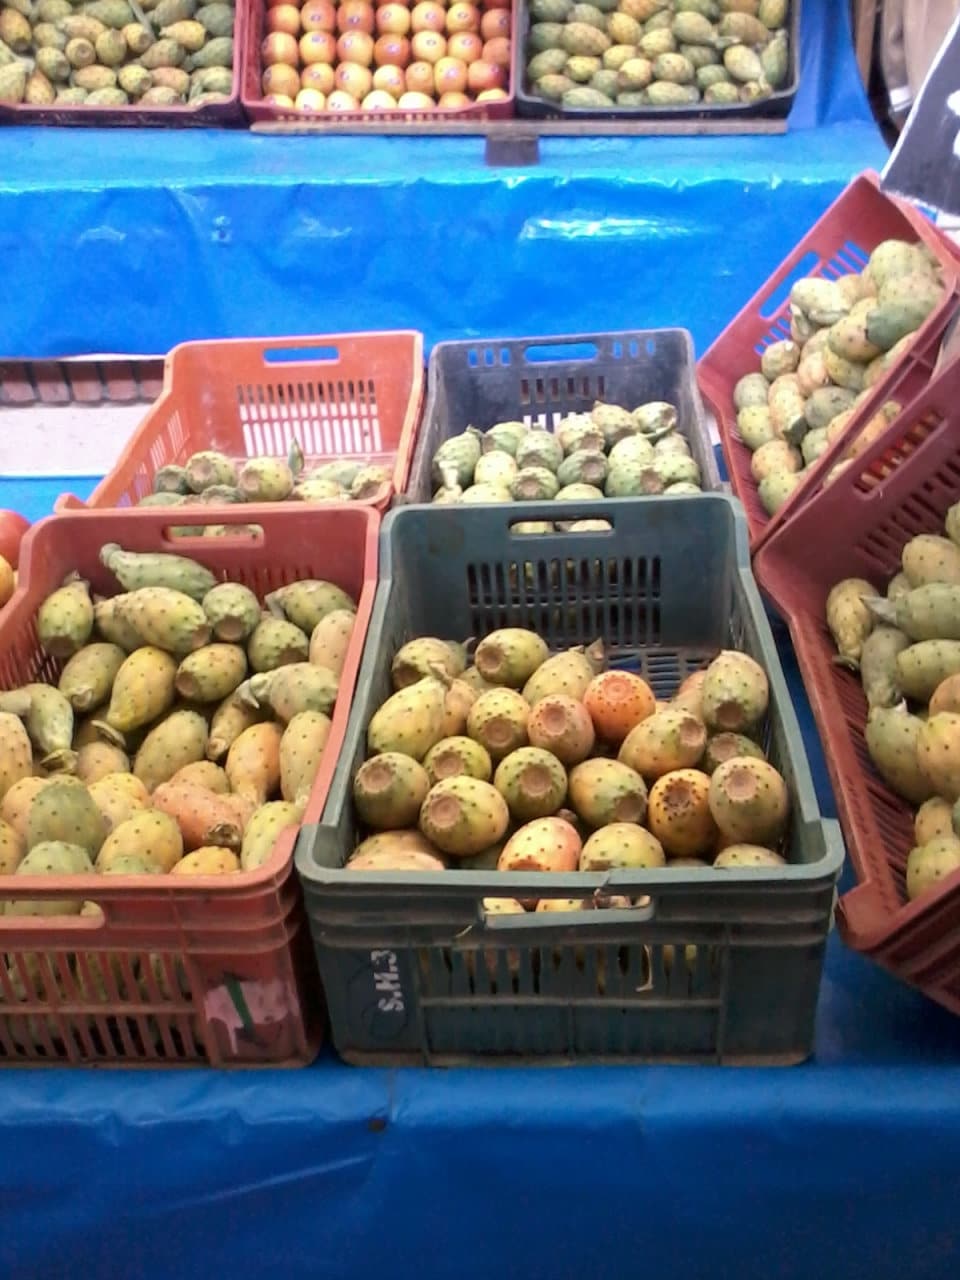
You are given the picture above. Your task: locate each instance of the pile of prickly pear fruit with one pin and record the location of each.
(209, 477)
(184, 731)
(657, 53)
(527, 760)
(906, 647)
(610, 452)
(845, 335)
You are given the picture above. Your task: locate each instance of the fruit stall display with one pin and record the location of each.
(164, 718)
(572, 818)
(563, 419)
(829, 351)
(307, 419)
(64, 62)
(874, 621)
(649, 59)
(359, 61)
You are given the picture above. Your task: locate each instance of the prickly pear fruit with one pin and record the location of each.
(586, 466)
(878, 666)
(50, 726)
(679, 814)
(390, 844)
(498, 721)
(749, 802)
(330, 640)
(212, 673)
(938, 753)
(88, 676)
(209, 860)
(420, 658)
(207, 468)
(65, 619)
(67, 813)
(496, 468)
(930, 612)
(621, 844)
(670, 739)
(546, 844)
(128, 864)
(534, 484)
(533, 782)
(463, 815)
(459, 455)
(178, 740)
(617, 701)
(410, 721)
(266, 480)
(946, 696)
(453, 756)
(51, 858)
(389, 789)
(927, 558)
(924, 666)
(113, 627)
(231, 717)
(539, 448)
(262, 831)
(928, 864)
(569, 673)
(12, 849)
(605, 791)
(304, 603)
(135, 569)
(275, 643)
(503, 437)
(116, 801)
(510, 656)
(633, 451)
(15, 805)
(203, 773)
(253, 762)
(165, 618)
(748, 855)
(148, 834)
(735, 693)
(933, 819)
(232, 611)
(142, 691)
(689, 695)
(724, 746)
(171, 479)
(301, 751)
(299, 686)
(891, 737)
(204, 818)
(562, 726)
(98, 759)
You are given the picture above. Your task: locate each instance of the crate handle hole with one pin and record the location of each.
(578, 513)
(778, 298)
(549, 353)
(245, 533)
(300, 355)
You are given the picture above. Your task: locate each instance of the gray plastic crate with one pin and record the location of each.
(540, 380)
(413, 970)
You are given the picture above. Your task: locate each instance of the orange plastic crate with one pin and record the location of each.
(839, 243)
(233, 982)
(352, 395)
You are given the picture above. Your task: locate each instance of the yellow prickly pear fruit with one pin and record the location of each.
(330, 640)
(16, 753)
(389, 789)
(253, 762)
(13, 847)
(209, 860)
(212, 673)
(424, 657)
(263, 829)
(178, 740)
(88, 676)
(301, 750)
(203, 773)
(15, 806)
(149, 834)
(116, 801)
(410, 721)
(166, 619)
(99, 759)
(143, 690)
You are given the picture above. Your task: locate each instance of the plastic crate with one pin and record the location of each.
(840, 243)
(413, 969)
(857, 527)
(353, 395)
(776, 106)
(135, 116)
(540, 380)
(236, 982)
(259, 111)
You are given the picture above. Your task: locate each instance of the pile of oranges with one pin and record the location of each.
(360, 55)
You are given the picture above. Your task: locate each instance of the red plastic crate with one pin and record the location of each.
(237, 985)
(354, 395)
(856, 527)
(258, 111)
(839, 243)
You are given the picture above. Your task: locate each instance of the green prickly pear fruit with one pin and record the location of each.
(938, 753)
(583, 466)
(751, 391)
(891, 737)
(66, 811)
(315, 489)
(534, 484)
(369, 481)
(632, 451)
(849, 618)
(179, 740)
(231, 717)
(655, 417)
(568, 673)
(498, 721)
(497, 468)
(878, 666)
(923, 666)
(463, 816)
(165, 619)
(88, 676)
(510, 656)
(113, 626)
(539, 448)
(16, 753)
(546, 844)
(561, 725)
(679, 813)
(275, 643)
(621, 844)
(410, 721)
(50, 726)
(615, 422)
(734, 694)
(748, 855)
(672, 738)
(930, 612)
(50, 858)
(451, 757)
(755, 427)
(212, 673)
(670, 444)
(388, 790)
(260, 835)
(171, 479)
(579, 431)
(929, 864)
(209, 468)
(342, 472)
(65, 619)
(934, 818)
(457, 458)
(725, 746)
(631, 480)
(304, 603)
(297, 686)
(748, 800)
(143, 690)
(301, 752)
(485, 493)
(774, 490)
(953, 524)
(814, 444)
(232, 611)
(928, 558)
(577, 493)
(503, 437)
(894, 258)
(676, 468)
(533, 782)
(134, 569)
(605, 791)
(422, 657)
